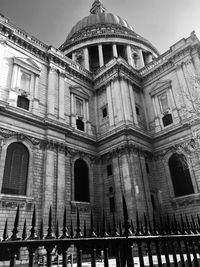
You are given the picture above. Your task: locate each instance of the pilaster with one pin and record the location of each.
(86, 58)
(110, 105)
(61, 112)
(129, 55)
(51, 92)
(115, 54)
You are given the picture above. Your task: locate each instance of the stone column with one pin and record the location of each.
(125, 99)
(73, 115)
(48, 191)
(73, 56)
(86, 58)
(51, 92)
(61, 112)
(14, 76)
(133, 104)
(129, 55)
(12, 98)
(36, 96)
(61, 185)
(141, 58)
(115, 54)
(101, 62)
(110, 105)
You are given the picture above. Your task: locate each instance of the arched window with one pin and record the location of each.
(81, 181)
(180, 175)
(16, 170)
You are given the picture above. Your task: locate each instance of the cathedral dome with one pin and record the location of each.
(98, 18)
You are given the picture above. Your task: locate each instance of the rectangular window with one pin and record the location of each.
(25, 81)
(23, 102)
(80, 125)
(164, 102)
(167, 120)
(137, 110)
(109, 170)
(104, 112)
(79, 107)
(147, 167)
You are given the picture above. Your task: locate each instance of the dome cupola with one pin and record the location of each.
(101, 36)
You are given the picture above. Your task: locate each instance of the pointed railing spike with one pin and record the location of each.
(85, 229)
(50, 234)
(92, 232)
(71, 230)
(5, 231)
(64, 229)
(24, 232)
(104, 233)
(176, 227)
(109, 229)
(155, 227)
(78, 228)
(194, 228)
(16, 224)
(120, 228)
(146, 228)
(137, 225)
(115, 233)
(41, 234)
(57, 229)
(162, 230)
(98, 229)
(169, 228)
(183, 230)
(127, 226)
(188, 230)
(33, 234)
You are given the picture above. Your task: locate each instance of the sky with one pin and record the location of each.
(162, 22)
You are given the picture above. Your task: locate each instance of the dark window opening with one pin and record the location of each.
(93, 58)
(147, 57)
(137, 110)
(81, 178)
(80, 125)
(107, 53)
(167, 120)
(109, 170)
(153, 202)
(104, 112)
(69, 56)
(121, 51)
(16, 170)
(147, 167)
(180, 175)
(112, 204)
(23, 102)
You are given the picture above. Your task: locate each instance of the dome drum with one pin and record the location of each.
(102, 36)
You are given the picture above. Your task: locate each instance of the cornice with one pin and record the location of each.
(48, 54)
(168, 61)
(115, 69)
(105, 31)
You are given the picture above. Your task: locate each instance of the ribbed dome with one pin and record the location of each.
(98, 16)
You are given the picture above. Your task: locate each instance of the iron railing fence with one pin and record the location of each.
(168, 241)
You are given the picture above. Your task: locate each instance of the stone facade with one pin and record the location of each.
(111, 117)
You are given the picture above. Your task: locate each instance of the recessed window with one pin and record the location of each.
(147, 167)
(81, 179)
(164, 102)
(25, 81)
(79, 107)
(23, 102)
(104, 112)
(109, 170)
(180, 175)
(80, 124)
(167, 119)
(16, 170)
(137, 110)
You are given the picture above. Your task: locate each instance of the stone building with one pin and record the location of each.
(99, 117)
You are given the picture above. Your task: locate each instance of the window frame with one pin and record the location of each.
(29, 147)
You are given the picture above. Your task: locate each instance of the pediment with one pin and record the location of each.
(27, 63)
(160, 86)
(79, 91)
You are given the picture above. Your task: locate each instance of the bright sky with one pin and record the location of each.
(162, 22)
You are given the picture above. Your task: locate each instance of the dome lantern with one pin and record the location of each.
(97, 7)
